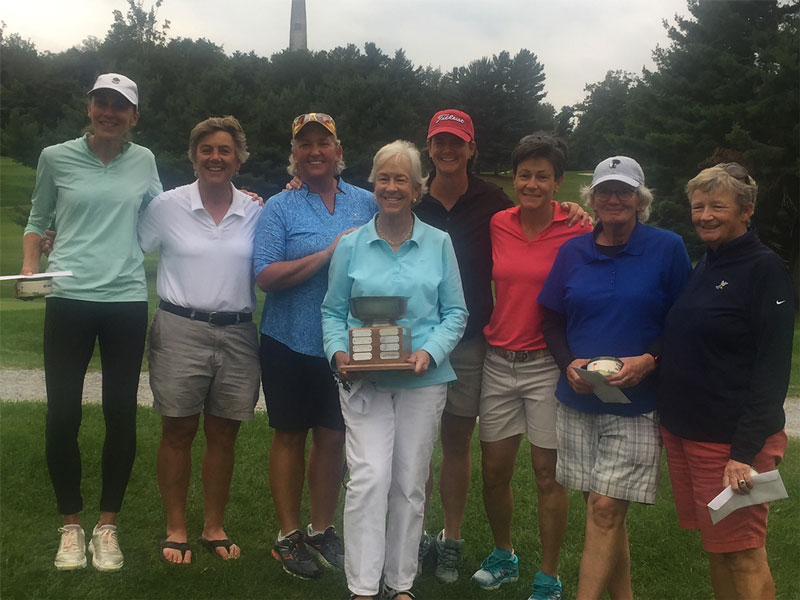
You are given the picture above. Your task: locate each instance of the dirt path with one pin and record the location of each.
(29, 385)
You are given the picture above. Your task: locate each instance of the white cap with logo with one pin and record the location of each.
(118, 83)
(618, 168)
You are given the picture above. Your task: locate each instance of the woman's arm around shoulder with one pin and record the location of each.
(151, 221)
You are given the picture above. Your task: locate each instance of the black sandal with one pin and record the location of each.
(390, 594)
(212, 545)
(182, 546)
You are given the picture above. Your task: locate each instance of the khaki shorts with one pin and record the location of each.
(611, 455)
(196, 367)
(464, 394)
(519, 397)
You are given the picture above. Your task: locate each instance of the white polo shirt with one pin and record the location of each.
(203, 265)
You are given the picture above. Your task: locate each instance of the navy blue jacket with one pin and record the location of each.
(727, 349)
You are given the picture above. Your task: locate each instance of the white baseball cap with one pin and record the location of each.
(618, 168)
(118, 83)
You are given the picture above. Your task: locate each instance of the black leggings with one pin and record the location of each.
(70, 330)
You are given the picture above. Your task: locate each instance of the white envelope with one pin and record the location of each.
(766, 488)
(607, 393)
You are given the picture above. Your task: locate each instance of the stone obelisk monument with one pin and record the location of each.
(297, 28)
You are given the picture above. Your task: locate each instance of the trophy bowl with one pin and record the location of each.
(378, 309)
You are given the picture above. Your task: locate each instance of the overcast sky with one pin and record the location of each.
(577, 41)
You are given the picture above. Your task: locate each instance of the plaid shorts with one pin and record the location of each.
(618, 457)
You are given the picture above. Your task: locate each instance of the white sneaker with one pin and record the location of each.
(72, 548)
(104, 548)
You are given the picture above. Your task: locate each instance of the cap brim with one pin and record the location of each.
(460, 133)
(307, 123)
(615, 177)
(133, 101)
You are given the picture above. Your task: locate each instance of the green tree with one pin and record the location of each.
(138, 25)
(503, 95)
(729, 79)
(601, 120)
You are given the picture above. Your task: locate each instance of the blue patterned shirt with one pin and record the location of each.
(295, 224)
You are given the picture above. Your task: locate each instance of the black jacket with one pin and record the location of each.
(727, 349)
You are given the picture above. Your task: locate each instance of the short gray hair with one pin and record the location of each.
(716, 177)
(644, 194)
(404, 149)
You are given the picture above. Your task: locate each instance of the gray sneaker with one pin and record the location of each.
(424, 550)
(448, 553)
(104, 548)
(71, 549)
(326, 547)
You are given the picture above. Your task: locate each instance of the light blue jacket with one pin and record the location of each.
(425, 270)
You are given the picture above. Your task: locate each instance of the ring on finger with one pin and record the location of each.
(742, 483)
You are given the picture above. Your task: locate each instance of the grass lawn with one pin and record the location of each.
(668, 563)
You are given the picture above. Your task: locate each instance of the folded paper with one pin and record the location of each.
(766, 488)
(606, 393)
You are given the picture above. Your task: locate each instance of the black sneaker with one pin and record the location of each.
(291, 552)
(327, 548)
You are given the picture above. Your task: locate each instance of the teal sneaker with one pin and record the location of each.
(545, 587)
(500, 567)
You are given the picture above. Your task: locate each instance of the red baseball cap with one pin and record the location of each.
(452, 121)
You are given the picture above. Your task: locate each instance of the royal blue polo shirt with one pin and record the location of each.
(616, 306)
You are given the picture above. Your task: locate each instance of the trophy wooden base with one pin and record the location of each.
(387, 366)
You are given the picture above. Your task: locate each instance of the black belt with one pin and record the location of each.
(519, 355)
(218, 319)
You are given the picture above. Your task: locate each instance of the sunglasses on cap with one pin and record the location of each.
(736, 171)
(315, 117)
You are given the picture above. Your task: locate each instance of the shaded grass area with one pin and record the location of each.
(568, 192)
(667, 562)
(16, 183)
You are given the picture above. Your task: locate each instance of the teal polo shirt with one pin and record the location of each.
(96, 209)
(424, 270)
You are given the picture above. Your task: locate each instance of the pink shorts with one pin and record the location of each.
(696, 469)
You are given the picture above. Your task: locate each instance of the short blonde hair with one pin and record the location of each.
(712, 178)
(404, 149)
(213, 124)
(291, 168)
(644, 194)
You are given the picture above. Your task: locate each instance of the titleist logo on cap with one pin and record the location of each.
(449, 117)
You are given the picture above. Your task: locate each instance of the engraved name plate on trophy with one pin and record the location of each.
(381, 344)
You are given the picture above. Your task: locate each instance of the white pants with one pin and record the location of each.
(390, 434)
